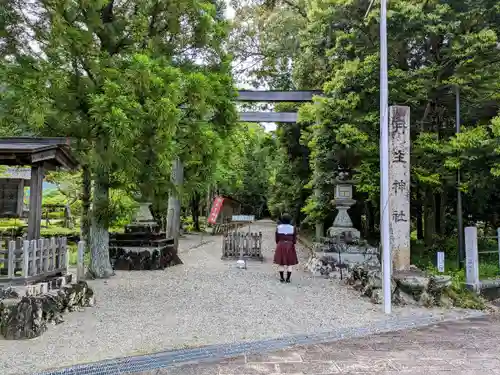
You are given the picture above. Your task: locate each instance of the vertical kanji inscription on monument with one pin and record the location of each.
(399, 184)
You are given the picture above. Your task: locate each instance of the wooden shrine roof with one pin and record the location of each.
(229, 198)
(52, 152)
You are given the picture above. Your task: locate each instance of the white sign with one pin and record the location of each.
(246, 218)
(440, 261)
(399, 185)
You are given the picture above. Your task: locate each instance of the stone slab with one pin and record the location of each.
(349, 257)
(43, 287)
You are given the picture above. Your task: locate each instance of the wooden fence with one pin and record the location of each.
(236, 244)
(33, 260)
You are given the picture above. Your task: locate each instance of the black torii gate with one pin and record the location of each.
(273, 97)
(173, 224)
(286, 117)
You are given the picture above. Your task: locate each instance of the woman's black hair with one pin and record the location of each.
(286, 219)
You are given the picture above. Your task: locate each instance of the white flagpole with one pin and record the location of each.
(384, 162)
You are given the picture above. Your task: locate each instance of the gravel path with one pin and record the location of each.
(204, 301)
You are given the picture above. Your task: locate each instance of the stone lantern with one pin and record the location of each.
(343, 201)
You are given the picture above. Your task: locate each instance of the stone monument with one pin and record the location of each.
(143, 246)
(143, 214)
(143, 220)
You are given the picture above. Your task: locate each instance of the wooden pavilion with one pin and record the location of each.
(41, 154)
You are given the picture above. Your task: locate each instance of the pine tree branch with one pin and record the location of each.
(301, 11)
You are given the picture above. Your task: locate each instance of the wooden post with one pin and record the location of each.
(45, 254)
(26, 258)
(65, 252)
(80, 270)
(11, 265)
(35, 205)
(53, 254)
(40, 259)
(33, 249)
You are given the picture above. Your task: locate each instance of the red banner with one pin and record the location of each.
(216, 207)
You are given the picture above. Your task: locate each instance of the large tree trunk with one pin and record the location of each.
(419, 215)
(195, 211)
(420, 223)
(174, 203)
(442, 212)
(100, 265)
(208, 202)
(86, 195)
(429, 218)
(370, 219)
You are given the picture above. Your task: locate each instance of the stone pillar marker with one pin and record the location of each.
(399, 185)
(471, 259)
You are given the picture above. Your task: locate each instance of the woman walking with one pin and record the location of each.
(285, 255)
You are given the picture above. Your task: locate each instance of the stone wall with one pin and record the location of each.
(137, 259)
(362, 271)
(26, 316)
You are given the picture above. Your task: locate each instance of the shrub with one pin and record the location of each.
(461, 296)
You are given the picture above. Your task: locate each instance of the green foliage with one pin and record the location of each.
(135, 83)
(264, 38)
(460, 295)
(243, 166)
(52, 197)
(420, 76)
(56, 231)
(122, 207)
(11, 223)
(434, 47)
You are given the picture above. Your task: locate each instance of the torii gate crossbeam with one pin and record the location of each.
(273, 96)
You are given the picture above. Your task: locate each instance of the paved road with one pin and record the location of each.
(453, 348)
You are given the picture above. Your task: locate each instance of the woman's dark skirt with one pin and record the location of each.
(285, 254)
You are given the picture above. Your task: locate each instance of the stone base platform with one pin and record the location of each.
(26, 311)
(40, 287)
(143, 258)
(338, 264)
(363, 271)
(413, 287)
